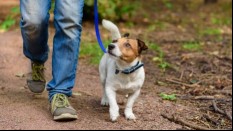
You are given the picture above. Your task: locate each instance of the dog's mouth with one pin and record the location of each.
(112, 54)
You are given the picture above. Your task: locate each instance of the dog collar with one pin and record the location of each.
(130, 70)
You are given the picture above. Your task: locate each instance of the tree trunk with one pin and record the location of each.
(210, 1)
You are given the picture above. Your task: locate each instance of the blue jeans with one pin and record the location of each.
(34, 28)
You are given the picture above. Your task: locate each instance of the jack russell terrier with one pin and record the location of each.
(121, 71)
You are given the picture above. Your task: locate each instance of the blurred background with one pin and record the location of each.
(189, 61)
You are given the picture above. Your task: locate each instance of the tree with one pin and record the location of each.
(210, 1)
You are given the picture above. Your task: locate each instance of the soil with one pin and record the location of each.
(198, 78)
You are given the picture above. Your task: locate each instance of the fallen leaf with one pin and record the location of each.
(77, 94)
(20, 75)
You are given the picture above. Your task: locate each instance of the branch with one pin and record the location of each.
(181, 83)
(216, 109)
(185, 123)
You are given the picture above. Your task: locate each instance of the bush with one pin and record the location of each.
(112, 9)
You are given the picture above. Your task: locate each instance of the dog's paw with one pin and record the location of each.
(104, 102)
(130, 116)
(114, 117)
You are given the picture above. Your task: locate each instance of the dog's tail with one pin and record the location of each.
(112, 28)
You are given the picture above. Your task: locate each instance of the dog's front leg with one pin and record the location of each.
(114, 108)
(104, 101)
(129, 106)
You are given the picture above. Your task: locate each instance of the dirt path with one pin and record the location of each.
(19, 109)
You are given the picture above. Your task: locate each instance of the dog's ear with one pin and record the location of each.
(141, 46)
(126, 35)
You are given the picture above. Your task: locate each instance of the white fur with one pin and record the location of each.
(112, 28)
(119, 83)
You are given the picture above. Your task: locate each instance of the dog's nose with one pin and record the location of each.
(111, 47)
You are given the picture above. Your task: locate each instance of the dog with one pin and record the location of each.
(121, 71)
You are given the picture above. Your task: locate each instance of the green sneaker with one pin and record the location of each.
(61, 108)
(37, 82)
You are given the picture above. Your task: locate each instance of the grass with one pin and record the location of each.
(10, 19)
(221, 22)
(168, 4)
(211, 31)
(171, 97)
(157, 25)
(216, 33)
(192, 46)
(92, 52)
(7, 23)
(160, 58)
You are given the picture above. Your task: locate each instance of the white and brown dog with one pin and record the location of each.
(121, 71)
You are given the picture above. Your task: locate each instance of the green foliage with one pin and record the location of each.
(168, 4)
(192, 46)
(171, 97)
(160, 58)
(221, 22)
(92, 51)
(154, 47)
(15, 10)
(52, 6)
(7, 23)
(212, 31)
(164, 65)
(156, 25)
(114, 9)
(10, 19)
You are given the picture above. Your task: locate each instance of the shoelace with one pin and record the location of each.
(37, 72)
(61, 101)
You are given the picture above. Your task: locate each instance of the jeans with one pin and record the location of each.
(68, 24)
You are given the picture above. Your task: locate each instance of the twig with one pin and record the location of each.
(204, 98)
(224, 58)
(208, 118)
(224, 92)
(229, 116)
(185, 123)
(86, 93)
(228, 87)
(181, 83)
(182, 74)
(216, 109)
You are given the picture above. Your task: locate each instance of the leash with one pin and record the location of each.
(97, 27)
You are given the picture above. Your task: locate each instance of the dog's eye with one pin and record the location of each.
(127, 45)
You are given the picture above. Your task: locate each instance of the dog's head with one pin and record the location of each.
(126, 49)
(123, 48)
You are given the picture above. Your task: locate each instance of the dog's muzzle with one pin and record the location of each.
(111, 47)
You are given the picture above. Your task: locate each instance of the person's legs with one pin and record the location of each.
(68, 19)
(34, 29)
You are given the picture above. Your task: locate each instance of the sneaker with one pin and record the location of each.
(37, 82)
(61, 108)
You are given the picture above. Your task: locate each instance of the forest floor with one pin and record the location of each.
(189, 60)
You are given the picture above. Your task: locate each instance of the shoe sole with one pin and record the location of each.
(65, 117)
(36, 87)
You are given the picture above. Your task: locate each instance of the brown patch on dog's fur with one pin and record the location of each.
(126, 35)
(142, 46)
(114, 41)
(131, 49)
